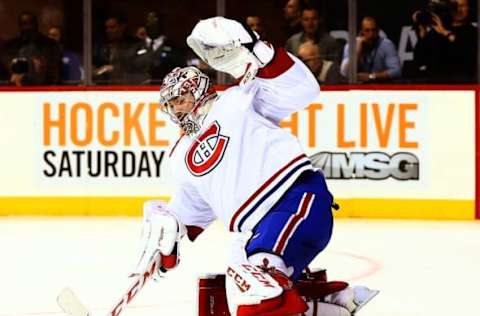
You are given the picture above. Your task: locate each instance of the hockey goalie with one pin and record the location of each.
(234, 163)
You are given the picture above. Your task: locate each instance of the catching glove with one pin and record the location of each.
(227, 46)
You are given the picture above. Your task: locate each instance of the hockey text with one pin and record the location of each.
(368, 119)
(81, 124)
(103, 140)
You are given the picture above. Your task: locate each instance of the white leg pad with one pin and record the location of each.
(247, 284)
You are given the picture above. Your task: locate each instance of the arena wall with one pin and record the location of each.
(388, 151)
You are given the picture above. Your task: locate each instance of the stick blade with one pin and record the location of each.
(70, 304)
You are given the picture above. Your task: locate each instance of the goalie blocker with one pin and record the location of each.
(324, 298)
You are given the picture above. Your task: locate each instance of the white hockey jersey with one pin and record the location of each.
(241, 161)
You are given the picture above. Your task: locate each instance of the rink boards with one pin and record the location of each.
(387, 152)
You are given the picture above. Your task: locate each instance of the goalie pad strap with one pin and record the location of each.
(252, 34)
(318, 289)
(193, 232)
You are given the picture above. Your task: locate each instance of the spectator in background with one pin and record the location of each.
(141, 33)
(119, 58)
(159, 57)
(446, 50)
(71, 71)
(255, 23)
(465, 41)
(50, 14)
(292, 12)
(4, 75)
(314, 31)
(325, 71)
(32, 58)
(377, 58)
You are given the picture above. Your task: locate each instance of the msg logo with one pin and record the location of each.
(367, 165)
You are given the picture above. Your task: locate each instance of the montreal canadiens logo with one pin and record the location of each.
(207, 151)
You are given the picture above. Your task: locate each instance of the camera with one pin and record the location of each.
(443, 8)
(19, 65)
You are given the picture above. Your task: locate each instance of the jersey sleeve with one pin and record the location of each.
(286, 86)
(191, 210)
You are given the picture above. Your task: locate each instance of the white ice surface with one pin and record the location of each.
(422, 268)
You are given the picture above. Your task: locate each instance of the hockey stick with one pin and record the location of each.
(72, 306)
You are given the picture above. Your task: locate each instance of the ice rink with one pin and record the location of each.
(422, 268)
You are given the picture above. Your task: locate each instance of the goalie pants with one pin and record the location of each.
(299, 225)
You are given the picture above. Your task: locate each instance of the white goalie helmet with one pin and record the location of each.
(179, 83)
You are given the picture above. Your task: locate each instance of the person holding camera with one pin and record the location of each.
(32, 58)
(446, 50)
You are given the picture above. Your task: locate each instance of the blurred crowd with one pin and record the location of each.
(445, 50)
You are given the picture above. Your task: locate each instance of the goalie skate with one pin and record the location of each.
(363, 295)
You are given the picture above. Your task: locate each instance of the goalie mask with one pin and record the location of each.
(184, 94)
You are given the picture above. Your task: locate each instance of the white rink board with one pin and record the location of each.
(443, 129)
